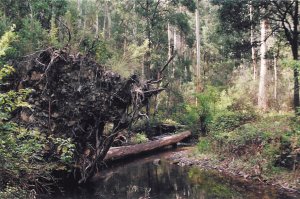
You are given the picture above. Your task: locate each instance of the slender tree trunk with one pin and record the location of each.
(108, 20)
(97, 18)
(157, 98)
(147, 57)
(104, 19)
(97, 24)
(79, 9)
(124, 46)
(169, 42)
(275, 77)
(198, 69)
(295, 47)
(175, 49)
(253, 54)
(262, 92)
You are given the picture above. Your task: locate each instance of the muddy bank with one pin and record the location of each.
(251, 181)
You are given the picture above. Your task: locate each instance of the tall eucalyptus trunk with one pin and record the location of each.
(275, 75)
(262, 91)
(295, 46)
(79, 9)
(198, 66)
(253, 54)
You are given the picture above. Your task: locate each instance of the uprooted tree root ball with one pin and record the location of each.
(74, 97)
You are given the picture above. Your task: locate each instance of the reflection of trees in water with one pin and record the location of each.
(164, 181)
(156, 181)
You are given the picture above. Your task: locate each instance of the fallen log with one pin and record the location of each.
(125, 151)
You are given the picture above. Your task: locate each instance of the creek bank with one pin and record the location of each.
(188, 158)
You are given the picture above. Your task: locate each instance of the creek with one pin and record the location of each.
(156, 178)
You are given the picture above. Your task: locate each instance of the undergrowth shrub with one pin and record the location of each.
(23, 165)
(139, 138)
(198, 117)
(204, 145)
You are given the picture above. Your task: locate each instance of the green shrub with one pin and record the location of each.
(22, 150)
(204, 145)
(139, 138)
(228, 121)
(198, 117)
(12, 192)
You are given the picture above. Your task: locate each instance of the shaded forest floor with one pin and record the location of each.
(265, 151)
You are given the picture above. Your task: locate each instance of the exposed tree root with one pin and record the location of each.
(75, 97)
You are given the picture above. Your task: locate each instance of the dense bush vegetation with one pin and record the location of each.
(26, 163)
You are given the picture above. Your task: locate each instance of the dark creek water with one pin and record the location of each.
(149, 178)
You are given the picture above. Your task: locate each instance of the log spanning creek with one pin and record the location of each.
(155, 177)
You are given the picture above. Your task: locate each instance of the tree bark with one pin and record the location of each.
(253, 55)
(262, 92)
(147, 57)
(169, 42)
(97, 19)
(175, 49)
(275, 77)
(295, 47)
(79, 9)
(104, 19)
(198, 66)
(108, 20)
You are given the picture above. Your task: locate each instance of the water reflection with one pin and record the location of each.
(166, 181)
(149, 178)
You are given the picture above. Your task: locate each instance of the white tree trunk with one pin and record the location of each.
(198, 66)
(97, 18)
(262, 91)
(169, 42)
(108, 20)
(254, 60)
(104, 19)
(175, 50)
(79, 9)
(275, 77)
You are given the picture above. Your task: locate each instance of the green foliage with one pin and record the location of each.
(22, 150)
(32, 36)
(204, 145)
(19, 148)
(131, 59)
(5, 41)
(103, 53)
(12, 192)
(199, 117)
(5, 71)
(228, 121)
(181, 20)
(64, 149)
(53, 33)
(170, 122)
(290, 63)
(139, 138)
